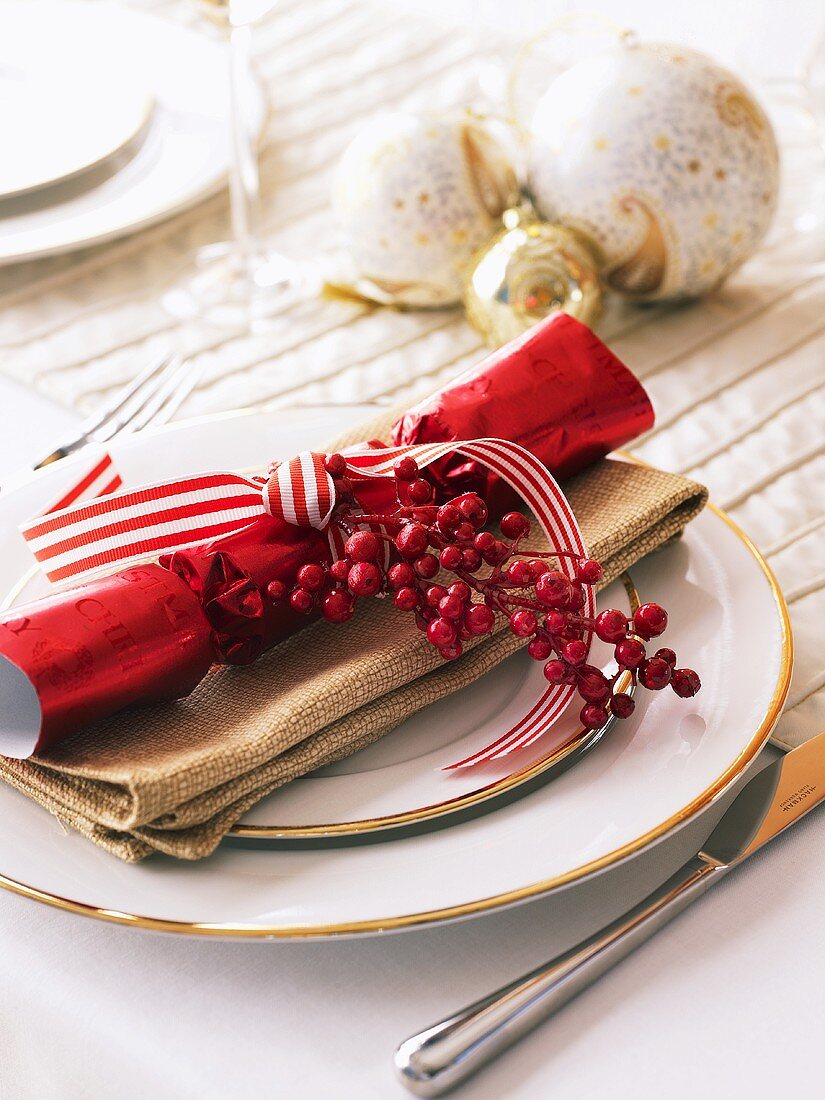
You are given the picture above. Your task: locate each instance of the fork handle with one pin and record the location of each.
(434, 1061)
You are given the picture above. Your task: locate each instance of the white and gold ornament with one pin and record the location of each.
(414, 197)
(664, 159)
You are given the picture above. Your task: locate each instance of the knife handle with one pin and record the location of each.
(434, 1061)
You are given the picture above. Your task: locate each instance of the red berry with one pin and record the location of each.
(301, 600)
(364, 579)
(441, 633)
(276, 590)
(575, 601)
(539, 649)
(592, 684)
(335, 465)
(311, 576)
(337, 606)
(555, 622)
(518, 573)
(611, 626)
(556, 671)
(538, 568)
(575, 653)
(426, 566)
(514, 525)
(401, 575)
(464, 532)
(484, 541)
(472, 508)
(412, 540)
(622, 705)
(435, 594)
(666, 655)
(451, 607)
(450, 557)
(685, 682)
(420, 491)
(630, 653)
(523, 623)
(655, 673)
(450, 652)
(460, 590)
(650, 620)
(479, 619)
(406, 599)
(339, 569)
(471, 560)
(448, 517)
(553, 589)
(593, 716)
(588, 571)
(363, 546)
(497, 553)
(406, 469)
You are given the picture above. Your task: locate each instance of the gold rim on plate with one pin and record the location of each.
(496, 901)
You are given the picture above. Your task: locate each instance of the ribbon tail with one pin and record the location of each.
(92, 536)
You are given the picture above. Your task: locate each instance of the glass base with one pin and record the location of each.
(233, 290)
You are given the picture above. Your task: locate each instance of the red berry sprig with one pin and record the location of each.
(540, 603)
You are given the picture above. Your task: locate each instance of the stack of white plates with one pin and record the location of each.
(111, 119)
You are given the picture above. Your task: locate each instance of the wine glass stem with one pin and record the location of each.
(244, 182)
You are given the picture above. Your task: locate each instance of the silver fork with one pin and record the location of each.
(152, 398)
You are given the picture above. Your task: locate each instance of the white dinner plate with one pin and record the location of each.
(183, 152)
(63, 110)
(655, 771)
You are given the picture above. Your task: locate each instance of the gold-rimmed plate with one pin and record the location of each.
(655, 771)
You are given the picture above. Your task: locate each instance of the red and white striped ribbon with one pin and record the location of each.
(80, 540)
(99, 480)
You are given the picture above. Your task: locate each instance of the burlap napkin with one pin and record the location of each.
(175, 778)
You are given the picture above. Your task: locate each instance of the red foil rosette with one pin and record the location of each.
(150, 633)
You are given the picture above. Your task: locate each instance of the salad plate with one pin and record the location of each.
(178, 152)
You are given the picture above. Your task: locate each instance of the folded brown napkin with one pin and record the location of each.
(175, 778)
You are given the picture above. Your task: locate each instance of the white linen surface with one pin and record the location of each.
(724, 1001)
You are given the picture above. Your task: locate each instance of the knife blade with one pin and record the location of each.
(435, 1060)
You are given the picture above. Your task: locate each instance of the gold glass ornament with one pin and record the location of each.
(528, 270)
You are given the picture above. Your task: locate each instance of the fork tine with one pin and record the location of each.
(133, 406)
(99, 420)
(168, 397)
(176, 399)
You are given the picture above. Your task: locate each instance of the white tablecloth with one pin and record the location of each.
(729, 999)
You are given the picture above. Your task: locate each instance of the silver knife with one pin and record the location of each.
(434, 1061)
